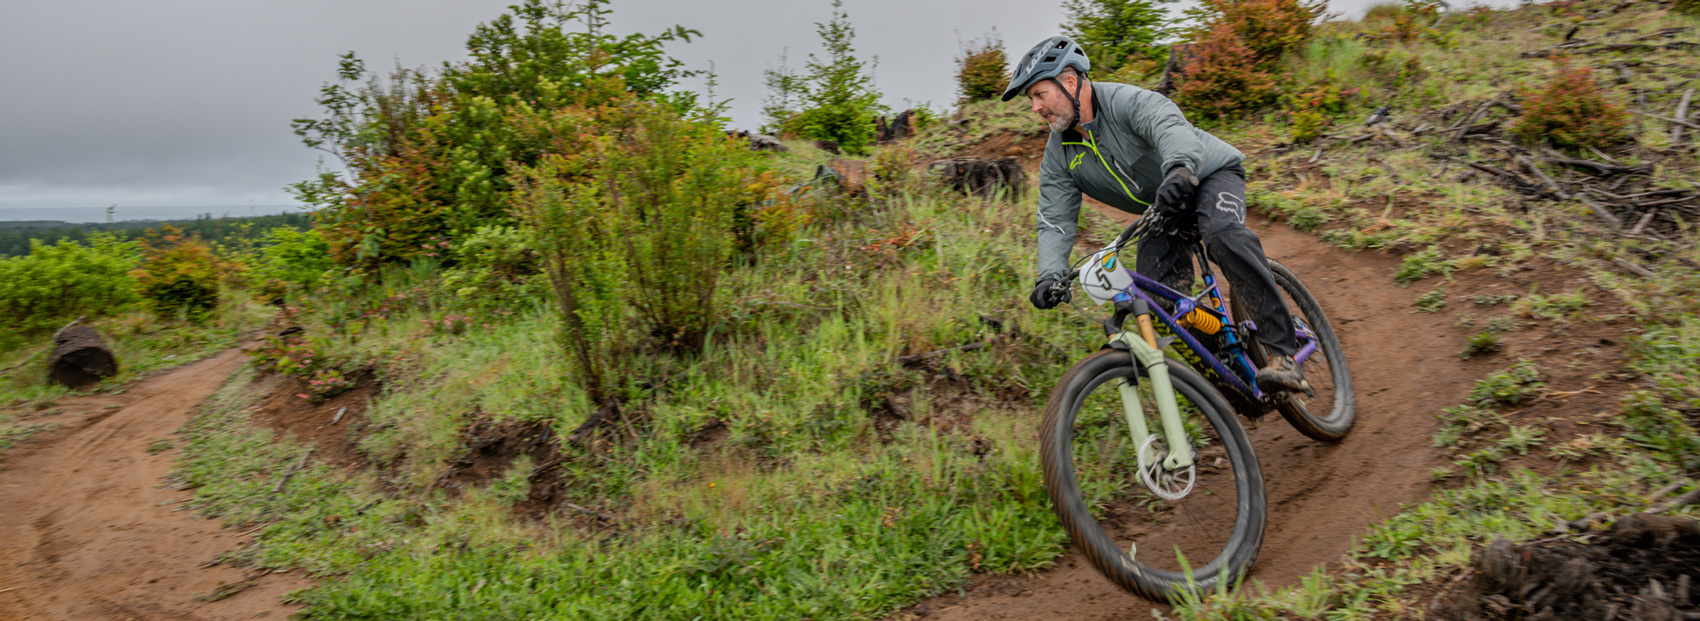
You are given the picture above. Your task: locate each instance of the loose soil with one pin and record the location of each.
(88, 530)
(1405, 369)
(1645, 567)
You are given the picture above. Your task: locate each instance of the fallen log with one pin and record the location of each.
(1600, 168)
(80, 357)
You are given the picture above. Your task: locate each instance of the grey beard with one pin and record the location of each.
(1062, 122)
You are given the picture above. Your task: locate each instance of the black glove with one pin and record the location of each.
(1172, 196)
(1049, 293)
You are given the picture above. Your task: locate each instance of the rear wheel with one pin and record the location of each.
(1133, 534)
(1327, 416)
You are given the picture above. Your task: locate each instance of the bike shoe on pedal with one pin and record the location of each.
(1282, 373)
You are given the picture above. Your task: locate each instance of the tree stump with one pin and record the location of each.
(80, 357)
(851, 176)
(898, 128)
(982, 177)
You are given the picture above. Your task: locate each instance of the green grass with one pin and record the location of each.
(803, 508)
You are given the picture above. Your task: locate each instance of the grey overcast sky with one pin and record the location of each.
(188, 102)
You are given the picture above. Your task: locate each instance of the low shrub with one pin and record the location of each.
(982, 71)
(1571, 110)
(1224, 77)
(57, 283)
(289, 259)
(179, 274)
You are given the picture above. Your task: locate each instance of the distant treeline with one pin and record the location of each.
(15, 236)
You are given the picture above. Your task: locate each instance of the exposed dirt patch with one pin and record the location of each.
(1646, 567)
(89, 533)
(1406, 369)
(333, 427)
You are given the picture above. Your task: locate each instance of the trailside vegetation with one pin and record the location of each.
(835, 93)
(1116, 33)
(982, 70)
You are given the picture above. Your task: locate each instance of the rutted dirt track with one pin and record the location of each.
(88, 532)
(1405, 368)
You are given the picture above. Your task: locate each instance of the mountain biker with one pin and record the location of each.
(1132, 149)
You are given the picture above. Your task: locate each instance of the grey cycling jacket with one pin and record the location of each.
(1139, 135)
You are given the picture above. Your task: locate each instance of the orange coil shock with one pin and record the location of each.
(1201, 320)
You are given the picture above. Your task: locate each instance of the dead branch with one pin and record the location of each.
(1691, 497)
(1681, 113)
(291, 473)
(610, 519)
(1668, 119)
(1462, 128)
(1548, 181)
(1632, 267)
(1600, 168)
(1642, 224)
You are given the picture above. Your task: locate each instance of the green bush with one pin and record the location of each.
(982, 71)
(495, 270)
(289, 258)
(55, 284)
(1118, 32)
(178, 275)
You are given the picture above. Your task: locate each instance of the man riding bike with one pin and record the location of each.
(1132, 149)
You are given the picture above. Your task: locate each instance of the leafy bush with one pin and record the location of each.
(1571, 110)
(289, 258)
(1269, 28)
(495, 270)
(982, 71)
(178, 274)
(55, 284)
(640, 220)
(430, 154)
(1117, 32)
(1223, 77)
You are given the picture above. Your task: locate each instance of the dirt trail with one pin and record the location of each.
(87, 531)
(1405, 368)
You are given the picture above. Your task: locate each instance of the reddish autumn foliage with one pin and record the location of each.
(1224, 77)
(1571, 110)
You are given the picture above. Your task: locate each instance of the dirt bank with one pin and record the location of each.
(88, 531)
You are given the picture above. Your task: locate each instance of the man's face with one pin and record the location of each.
(1051, 104)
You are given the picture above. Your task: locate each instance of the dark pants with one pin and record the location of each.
(1219, 204)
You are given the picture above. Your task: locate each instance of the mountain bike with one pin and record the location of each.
(1179, 507)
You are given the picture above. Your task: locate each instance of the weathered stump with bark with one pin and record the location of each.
(982, 177)
(851, 176)
(898, 128)
(80, 357)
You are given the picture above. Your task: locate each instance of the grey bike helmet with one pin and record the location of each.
(1045, 62)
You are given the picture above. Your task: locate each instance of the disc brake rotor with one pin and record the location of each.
(1166, 484)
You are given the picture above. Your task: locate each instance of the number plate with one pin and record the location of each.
(1103, 276)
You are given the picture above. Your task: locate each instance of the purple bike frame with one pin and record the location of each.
(1143, 287)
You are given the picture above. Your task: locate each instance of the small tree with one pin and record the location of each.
(982, 71)
(841, 103)
(1269, 28)
(1115, 32)
(785, 93)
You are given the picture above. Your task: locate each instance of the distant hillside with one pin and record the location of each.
(15, 236)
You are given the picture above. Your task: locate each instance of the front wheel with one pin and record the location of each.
(1140, 540)
(1329, 414)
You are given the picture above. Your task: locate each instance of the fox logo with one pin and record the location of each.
(1226, 201)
